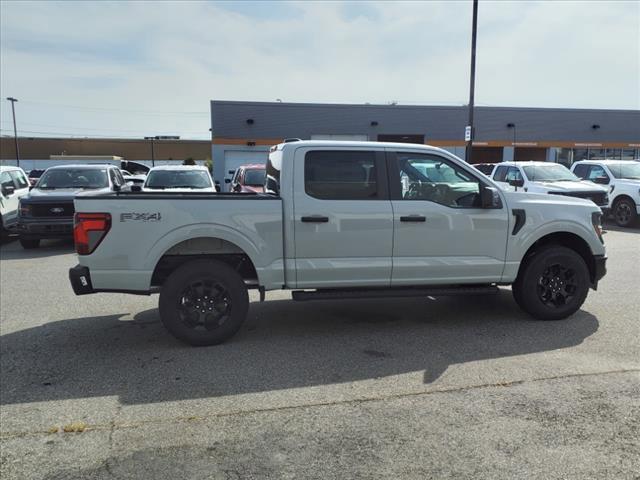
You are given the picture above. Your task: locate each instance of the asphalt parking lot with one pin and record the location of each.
(408, 388)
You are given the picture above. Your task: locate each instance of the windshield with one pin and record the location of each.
(549, 173)
(254, 178)
(160, 179)
(74, 178)
(629, 170)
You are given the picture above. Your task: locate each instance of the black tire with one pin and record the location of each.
(203, 302)
(29, 243)
(552, 284)
(624, 212)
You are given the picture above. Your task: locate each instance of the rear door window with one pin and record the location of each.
(341, 175)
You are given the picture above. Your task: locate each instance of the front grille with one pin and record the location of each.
(599, 198)
(53, 210)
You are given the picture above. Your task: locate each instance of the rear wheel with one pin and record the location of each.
(29, 243)
(624, 212)
(203, 302)
(552, 284)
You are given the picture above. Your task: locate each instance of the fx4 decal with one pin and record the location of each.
(140, 217)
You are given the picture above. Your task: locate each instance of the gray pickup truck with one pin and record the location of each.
(338, 220)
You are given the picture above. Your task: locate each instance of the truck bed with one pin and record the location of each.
(148, 226)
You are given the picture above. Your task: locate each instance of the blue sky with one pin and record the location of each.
(130, 69)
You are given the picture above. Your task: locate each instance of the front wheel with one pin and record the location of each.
(29, 243)
(203, 302)
(624, 212)
(552, 284)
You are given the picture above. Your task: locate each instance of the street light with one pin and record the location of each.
(15, 130)
(472, 82)
(153, 153)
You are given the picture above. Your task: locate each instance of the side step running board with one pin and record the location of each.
(339, 294)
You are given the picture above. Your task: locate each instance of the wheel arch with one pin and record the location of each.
(217, 243)
(566, 239)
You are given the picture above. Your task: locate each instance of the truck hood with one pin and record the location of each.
(572, 186)
(38, 195)
(521, 200)
(627, 182)
(253, 188)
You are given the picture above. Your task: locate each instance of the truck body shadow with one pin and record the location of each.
(284, 344)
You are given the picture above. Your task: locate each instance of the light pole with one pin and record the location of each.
(472, 81)
(153, 153)
(15, 130)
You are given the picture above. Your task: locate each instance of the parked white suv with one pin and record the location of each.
(623, 180)
(547, 177)
(14, 184)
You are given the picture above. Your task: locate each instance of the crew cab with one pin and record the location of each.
(623, 180)
(47, 211)
(338, 220)
(13, 186)
(547, 177)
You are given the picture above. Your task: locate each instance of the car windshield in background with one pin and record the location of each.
(549, 173)
(255, 177)
(628, 170)
(161, 179)
(74, 178)
(35, 173)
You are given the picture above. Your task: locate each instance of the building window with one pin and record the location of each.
(628, 154)
(341, 175)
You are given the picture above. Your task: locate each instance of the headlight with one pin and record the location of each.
(24, 210)
(596, 220)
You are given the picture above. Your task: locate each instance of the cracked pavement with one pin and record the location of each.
(406, 388)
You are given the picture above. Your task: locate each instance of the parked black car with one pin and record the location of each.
(47, 211)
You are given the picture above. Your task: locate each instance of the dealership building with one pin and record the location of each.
(242, 132)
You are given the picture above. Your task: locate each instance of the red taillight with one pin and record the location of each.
(89, 229)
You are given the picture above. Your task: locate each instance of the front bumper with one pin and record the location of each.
(45, 227)
(599, 270)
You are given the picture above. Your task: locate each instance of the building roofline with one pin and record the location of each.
(418, 107)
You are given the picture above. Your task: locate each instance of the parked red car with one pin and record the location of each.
(248, 179)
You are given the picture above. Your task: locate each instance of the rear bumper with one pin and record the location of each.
(80, 279)
(46, 228)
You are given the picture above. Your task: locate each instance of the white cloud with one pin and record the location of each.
(175, 57)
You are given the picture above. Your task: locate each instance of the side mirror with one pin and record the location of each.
(604, 180)
(136, 188)
(8, 190)
(227, 180)
(237, 188)
(519, 182)
(489, 197)
(31, 187)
